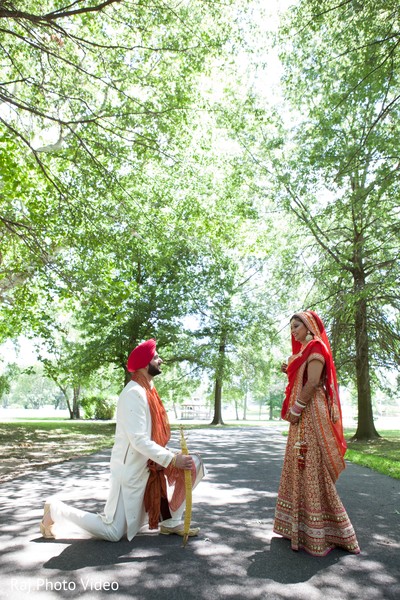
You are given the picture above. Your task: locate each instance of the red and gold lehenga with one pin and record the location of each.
(309, 511)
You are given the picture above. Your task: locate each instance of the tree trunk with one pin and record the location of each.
(127, 376)
(217, 420)
(365, 426)
(74, 411)
(245, 407)
(68, 403)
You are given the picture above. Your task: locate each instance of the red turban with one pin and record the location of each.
(141, 355)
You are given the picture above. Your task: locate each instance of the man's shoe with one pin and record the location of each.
(178, 530)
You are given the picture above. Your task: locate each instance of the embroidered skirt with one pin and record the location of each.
(309, 511)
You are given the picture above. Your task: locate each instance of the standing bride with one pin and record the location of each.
(309, 511)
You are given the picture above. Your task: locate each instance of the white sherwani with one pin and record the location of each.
(132, 449)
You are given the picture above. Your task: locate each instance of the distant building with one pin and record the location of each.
(195, 409)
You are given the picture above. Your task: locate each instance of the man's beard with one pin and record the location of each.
(153, 370)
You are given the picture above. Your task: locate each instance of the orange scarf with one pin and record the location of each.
(156, 488)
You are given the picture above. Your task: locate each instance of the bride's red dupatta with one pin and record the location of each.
(320, 345)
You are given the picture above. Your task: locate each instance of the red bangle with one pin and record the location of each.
(296, 411)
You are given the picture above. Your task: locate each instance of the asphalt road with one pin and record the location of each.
(236, 555)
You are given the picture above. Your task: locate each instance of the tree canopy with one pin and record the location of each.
(153, 183)
(341, 180)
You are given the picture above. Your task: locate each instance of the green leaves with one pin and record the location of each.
(145, 185)
(93, 97)
(343, 85)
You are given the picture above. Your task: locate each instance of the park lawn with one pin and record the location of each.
(382, 455)
(30, 445)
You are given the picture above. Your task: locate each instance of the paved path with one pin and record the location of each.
(235, 557)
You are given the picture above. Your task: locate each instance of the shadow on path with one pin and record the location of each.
(236, 555)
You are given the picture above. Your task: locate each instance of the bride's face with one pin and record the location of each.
(298, 330)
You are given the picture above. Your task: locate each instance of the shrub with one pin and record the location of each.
(104, 409)
(95, 407)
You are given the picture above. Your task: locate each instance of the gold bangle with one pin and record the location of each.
(173, 461)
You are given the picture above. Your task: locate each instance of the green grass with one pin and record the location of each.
(382, 454)
(89, 435)
(28, 445)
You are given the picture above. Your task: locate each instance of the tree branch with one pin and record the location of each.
(61, 13)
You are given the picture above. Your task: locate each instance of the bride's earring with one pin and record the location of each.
(309, 336)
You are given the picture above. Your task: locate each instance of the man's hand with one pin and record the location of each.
(183, 461)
